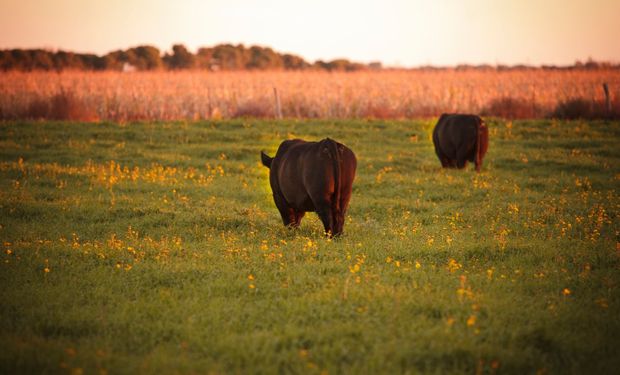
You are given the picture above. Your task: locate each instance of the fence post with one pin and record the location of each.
(607, 99)
(278, 106)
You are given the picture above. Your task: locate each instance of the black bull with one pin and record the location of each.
(312, 176)
(459, 138)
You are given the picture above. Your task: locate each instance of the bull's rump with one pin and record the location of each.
(303, 173)
(456, 134)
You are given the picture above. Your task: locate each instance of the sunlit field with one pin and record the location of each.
(198, 95)
(156, 247)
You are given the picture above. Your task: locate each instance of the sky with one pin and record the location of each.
(403, 33)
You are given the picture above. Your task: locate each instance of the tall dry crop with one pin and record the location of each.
(309, 94)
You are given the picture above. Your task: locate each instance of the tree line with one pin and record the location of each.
(219, 57)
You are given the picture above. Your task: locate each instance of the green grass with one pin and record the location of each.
(157, 248)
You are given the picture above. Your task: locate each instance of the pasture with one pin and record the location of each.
(157, 248)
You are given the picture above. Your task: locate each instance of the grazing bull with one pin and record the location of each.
(459, 138)
(312, 176)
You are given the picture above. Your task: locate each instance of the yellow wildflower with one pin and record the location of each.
(490, 273)
(471, 320)
(513, 208)
(453, 265)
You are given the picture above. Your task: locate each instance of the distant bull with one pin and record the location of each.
(312, 176)
(459, 138)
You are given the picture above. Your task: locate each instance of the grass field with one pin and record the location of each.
(156, 248)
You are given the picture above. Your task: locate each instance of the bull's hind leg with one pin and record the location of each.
(461, 158)
(298, 216)
(289, 218)
(445, 161)
(448, 163)
(478, 165)
(324, 211)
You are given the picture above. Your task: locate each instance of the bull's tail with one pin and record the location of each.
(479, 144)
(266, 159)
(332, 147)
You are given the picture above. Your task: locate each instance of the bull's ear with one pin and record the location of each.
(266, 159)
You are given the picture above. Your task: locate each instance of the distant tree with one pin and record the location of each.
(228, 57)
(67, 60)
(292, 62)
(181, 58)
(7, 62)
(339, 65)
(263, 58)
(92, 62)
(42, 59)
(114, 60)
(145, 58)
(22, 59)
(320, 64)
(111, 63)
(204, 59)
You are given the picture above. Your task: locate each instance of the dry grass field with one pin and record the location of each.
(194, 95)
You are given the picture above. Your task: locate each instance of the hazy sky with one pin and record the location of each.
(396, 32)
